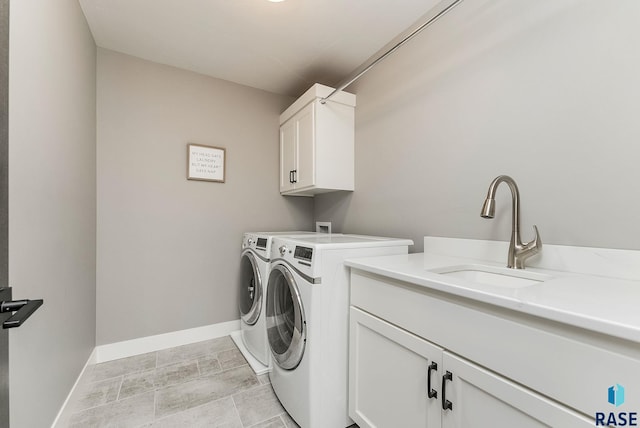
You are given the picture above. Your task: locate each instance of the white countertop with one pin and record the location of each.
(601, 304)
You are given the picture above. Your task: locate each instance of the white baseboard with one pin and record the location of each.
(61, 413)
(129, 348)
(142, 345)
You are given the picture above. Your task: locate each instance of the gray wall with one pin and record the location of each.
(544, 91)
(168, 248)
(52, 202)
(4, 202)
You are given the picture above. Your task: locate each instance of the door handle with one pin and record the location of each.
(431, 393)
(295, 175)
(23, 310)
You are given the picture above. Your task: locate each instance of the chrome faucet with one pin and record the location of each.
(518, 251)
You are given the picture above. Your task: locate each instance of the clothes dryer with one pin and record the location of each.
(254, 272)
(307, 308)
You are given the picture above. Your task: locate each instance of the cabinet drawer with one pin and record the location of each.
(567, 364)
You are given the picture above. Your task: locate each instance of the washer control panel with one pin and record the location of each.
(303, 253)
(255, 242)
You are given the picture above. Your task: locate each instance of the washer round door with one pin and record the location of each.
(250, 291)
(286, 326)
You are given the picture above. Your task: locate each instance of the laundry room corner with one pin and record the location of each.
(166, 258)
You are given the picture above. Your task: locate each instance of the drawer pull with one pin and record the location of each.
(446, 404)
(431, 393)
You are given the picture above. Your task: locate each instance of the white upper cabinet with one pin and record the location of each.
(317, 143)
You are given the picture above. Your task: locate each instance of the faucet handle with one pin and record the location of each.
(536, 244)
(527, 250)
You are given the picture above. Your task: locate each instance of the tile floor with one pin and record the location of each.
(205, 384)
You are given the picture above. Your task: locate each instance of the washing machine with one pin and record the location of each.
(307, 308)
(254, 272)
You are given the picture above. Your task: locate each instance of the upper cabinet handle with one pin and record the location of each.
(431, 393)
(446, 404)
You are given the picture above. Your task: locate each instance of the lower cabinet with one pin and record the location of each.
(397, 379)
(388, 375)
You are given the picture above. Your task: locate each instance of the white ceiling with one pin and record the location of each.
(279, 47)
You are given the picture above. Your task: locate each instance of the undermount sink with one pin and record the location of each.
(493, 275)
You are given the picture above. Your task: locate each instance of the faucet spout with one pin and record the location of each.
(518, 251)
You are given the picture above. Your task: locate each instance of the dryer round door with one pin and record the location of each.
(286, 327)
(250, 291)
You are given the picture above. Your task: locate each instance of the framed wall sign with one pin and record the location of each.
(205, 163)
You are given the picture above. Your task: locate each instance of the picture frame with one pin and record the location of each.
(206, 163)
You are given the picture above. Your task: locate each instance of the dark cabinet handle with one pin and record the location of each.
(295, 175)
(446, 404)
(23, 309)
(291, 176)
(431, 393)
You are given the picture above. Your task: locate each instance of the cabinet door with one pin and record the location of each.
(306, 140)
(388, 370)
(288, 136)
(480, 398)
